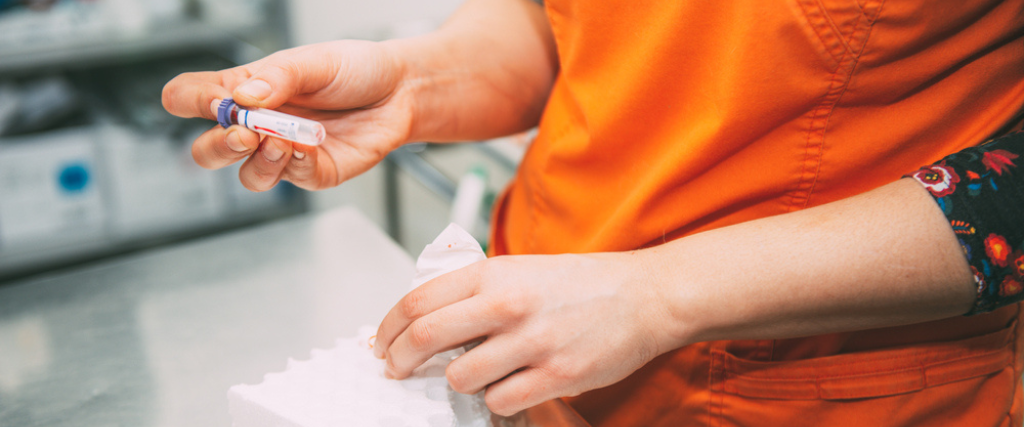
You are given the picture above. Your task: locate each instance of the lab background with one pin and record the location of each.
(135, 286)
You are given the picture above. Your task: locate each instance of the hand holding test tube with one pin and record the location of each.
(269, 122)
(362, 117)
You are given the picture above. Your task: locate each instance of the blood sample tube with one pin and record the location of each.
(270, 122)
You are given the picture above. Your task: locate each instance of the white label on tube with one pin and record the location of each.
(269, 124)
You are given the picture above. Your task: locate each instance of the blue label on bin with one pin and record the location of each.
(74, 178)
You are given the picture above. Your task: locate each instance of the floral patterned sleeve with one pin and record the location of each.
(981, 191)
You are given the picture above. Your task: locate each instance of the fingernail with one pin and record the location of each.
(256, 89)
(235, 142)
(389, 369)
(271, 152)
(298, 154)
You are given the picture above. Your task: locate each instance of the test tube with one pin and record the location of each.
(270, 122)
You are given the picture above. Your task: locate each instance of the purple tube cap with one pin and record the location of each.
(224, 112)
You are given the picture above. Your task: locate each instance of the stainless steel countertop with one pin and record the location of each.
(156, 338)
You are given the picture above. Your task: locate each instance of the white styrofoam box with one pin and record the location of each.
(49, 191)
(155, 185)
(345, 386)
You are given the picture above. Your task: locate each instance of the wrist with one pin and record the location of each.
(420, 85)
(666, 319)
(676, 290)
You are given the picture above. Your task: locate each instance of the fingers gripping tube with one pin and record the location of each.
(269, 122)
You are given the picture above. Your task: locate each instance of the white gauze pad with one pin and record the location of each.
(345, 385)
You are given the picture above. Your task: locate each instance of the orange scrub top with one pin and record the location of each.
(674, 117)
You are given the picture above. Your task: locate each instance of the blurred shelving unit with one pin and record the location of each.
(90, 164)
(421, 179)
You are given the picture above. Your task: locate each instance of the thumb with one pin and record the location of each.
(281, 76)
(255, 92)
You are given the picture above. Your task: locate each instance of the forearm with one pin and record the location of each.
(487, 72)
(884, 258)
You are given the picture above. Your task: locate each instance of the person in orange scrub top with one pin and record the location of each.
(710, 228)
